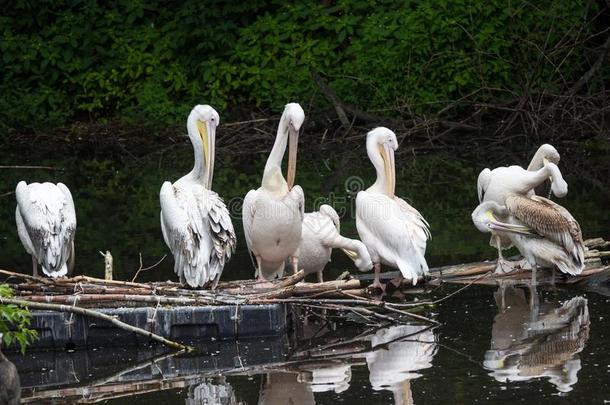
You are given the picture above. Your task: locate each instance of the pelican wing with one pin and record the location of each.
(188, 234)
(399, 231)
(247, 213)
(419, 225)
(222, 233)
(549, 220)
(48, 216)
(483, 183)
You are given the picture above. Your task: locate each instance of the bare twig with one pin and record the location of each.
(146, 268)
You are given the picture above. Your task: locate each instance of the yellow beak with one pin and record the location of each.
(387, 154)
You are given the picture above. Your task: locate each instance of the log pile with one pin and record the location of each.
(83, 294)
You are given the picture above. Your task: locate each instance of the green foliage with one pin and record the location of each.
(17, 319)
(151, 61)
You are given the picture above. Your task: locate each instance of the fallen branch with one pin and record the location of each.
(95, 314)
(30, 167)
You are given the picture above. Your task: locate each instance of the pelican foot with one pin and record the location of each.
(504, 267)
(396, 282)
(378, 286)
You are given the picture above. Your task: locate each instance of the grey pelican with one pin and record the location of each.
(273, 214)
(544, 232)
(195, 222)
(10, 386)
(394, 232)
(496, 184)
(320, 235)
(46, 224)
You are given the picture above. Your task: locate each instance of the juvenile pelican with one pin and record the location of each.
(195, 222)
(544, 232)
(496, 185)
(272, 214)
(394, 233)
(320, 235)
(46, 224)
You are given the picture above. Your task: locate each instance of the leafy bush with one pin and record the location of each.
(18, 319)
(153, 60)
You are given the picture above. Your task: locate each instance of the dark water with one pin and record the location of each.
(545, 346)
(548, 346)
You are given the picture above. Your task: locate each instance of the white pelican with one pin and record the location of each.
(195, 222)
(496, 184)
(544, 232)
(394, 233)
(542, 341)
(272, 215)
(46, 224)
(399, 352)
(10, 386)
(320, 235)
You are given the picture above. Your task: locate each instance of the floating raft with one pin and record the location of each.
(238, 309)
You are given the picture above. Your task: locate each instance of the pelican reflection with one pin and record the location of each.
(531, 340)
(217, 392)
(399, 352)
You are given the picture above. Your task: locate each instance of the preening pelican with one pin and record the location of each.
(497, 184)
(394, 233)
(320, 235)
(544, 232)
(195, 222)
(272, 214)
(10, 386)
(46, 224)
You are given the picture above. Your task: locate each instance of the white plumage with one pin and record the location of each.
(320, 235)
(195, 222)
(46, 224)
(273, 214)
(393, 231)
(399, 352)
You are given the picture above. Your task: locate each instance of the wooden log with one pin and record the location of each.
(313, 288)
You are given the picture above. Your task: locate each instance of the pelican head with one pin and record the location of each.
(548, 154)
(202, 123)
(484, 218)
(381, 144)
(293, 117)
(484, 215)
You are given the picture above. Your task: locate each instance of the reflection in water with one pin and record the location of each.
(285, 388)
(333, 378)
(212, 393)
(399, 352)
(532, 340)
